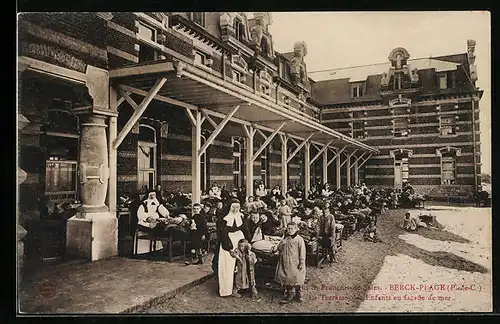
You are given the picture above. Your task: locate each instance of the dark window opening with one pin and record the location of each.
(146, 53)
(239, 29)
(199, 18)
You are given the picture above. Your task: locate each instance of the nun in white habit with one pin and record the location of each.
(231, 232)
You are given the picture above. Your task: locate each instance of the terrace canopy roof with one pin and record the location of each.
(196, 89)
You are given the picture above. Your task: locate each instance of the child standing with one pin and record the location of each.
(198, 231)
(291, 269)
(284, 214)
(245, 262)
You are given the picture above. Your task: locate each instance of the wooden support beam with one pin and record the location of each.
(316, 146)
(191, 117)
(299, 147)
(307, 166)
(196, 159)
(207, 117)
(358, 158)
(321, 152)
(284, 164)
(337, 155)
(268, 140)
(294, 141)
(112, 158)
(325, 166)
(250, 132)
(348, 156)
(126, 96)
(138, 112)
(337, 171)
(364, 161)
(217, 130)
(261, 133)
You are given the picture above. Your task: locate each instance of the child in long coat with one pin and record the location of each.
(291, 269)
(245, 267)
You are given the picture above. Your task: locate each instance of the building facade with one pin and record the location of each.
(110, 103)
(422, 114)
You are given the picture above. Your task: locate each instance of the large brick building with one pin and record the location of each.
(420, 113)
(111, 102)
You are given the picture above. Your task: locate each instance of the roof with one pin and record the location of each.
(361, 73)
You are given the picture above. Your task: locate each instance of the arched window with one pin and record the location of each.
(147, 157)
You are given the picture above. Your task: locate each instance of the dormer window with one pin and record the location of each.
(446, 80)
(239, 29)
(357, 90)
(397, 83)
(443, 81)
(198, 18)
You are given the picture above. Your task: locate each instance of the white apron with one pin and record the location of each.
(227, 265)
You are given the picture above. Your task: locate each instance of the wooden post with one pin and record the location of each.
(337, 171)
(325, 166)
(284, 164)
(113, 131)
(250, 132)
(348, 170)
(307, 165)
(195, 162)
(356, 172)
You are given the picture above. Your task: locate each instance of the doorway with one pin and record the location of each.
(401, 170)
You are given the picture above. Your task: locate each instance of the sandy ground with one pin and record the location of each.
(457, 256)
(457, 290)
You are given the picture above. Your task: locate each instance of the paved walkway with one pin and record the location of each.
(117, 285)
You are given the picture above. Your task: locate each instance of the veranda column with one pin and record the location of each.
(337, 171)
(195, 158)
(325, 166)
(307, 163)
(93, 232)
(348, 170)
(284, 164)
(356, 172)
(248, 161)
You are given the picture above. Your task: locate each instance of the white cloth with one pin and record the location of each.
(231, 218)
(154, 211)
(261, 191)
(227, 265)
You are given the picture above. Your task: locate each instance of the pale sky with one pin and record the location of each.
(343, 39)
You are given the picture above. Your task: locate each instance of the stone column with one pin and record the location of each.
(93, 232)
